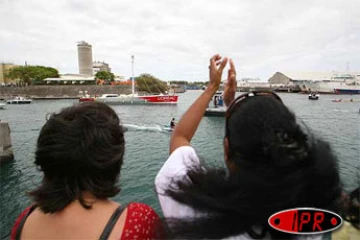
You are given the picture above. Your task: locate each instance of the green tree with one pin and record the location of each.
(104, 75)
(180, 82)
(28, 75)
(148, 83)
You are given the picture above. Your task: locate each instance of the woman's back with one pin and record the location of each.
(136, 221)
(74, 222)
(80, 152)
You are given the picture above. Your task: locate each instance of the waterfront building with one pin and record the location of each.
(69, 79)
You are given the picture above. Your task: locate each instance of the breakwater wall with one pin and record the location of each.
(58, 92)
(6, 153)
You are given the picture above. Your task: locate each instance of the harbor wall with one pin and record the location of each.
(50, 92)
(6, 153)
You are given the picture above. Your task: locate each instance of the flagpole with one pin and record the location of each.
(132, 73)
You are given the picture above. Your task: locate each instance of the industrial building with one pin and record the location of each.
(101, 66)
(4, 68)
(85, 58)
(285, 78)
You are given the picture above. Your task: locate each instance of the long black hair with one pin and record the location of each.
(279, 166)
(79, 149)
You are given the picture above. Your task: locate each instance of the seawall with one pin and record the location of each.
(6, 153)
(58, 92)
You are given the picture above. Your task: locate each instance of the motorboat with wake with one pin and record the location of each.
(19, 100)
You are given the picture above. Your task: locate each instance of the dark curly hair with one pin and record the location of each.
(279, 165)
(79, 149)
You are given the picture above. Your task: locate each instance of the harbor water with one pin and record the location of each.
(147, 144)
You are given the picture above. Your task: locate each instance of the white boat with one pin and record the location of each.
(216, 107)
(19, 100)
(215, 112)
(338, 84)
(2, 105)
(116, 99)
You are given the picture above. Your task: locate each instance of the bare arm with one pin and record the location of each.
(186, 128)
(230, 88)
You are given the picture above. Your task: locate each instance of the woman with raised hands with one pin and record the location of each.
(272, 164)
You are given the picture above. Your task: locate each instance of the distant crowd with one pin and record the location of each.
(273, 163)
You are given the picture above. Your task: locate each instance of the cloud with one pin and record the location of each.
(174, 39)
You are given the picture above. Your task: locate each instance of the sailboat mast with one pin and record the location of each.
(132, 73)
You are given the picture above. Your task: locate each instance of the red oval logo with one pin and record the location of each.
(305, 221)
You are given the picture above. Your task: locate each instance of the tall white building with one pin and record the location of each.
(85, 58)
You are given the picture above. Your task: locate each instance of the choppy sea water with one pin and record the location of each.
(147, 145)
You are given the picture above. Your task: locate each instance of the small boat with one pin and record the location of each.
(313, 96)
(86, 98)
(217, 108)
(2, 105)
(336, 100)
(19, 100)
(215, 112)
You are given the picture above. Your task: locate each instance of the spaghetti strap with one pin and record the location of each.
(19, 227)
(111, 223)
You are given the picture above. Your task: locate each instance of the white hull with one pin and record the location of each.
(19, 100)
(2, 105)
(327, 86)
(114, 99)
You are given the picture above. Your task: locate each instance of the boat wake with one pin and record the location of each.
(144, 128)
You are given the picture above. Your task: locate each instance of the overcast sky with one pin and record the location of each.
(174, 39)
